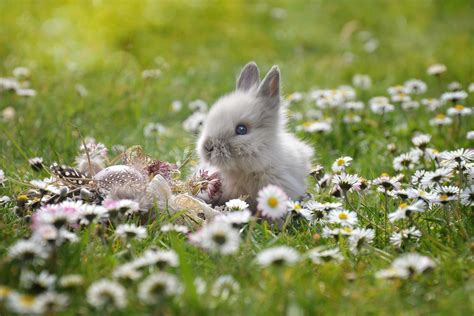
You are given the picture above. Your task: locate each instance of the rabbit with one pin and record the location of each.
(244, 139)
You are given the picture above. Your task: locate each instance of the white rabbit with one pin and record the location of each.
(245, 139)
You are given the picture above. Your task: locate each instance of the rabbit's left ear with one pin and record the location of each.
(249, 77)
(270, 87)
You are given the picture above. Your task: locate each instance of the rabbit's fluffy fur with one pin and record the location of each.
(266, 154)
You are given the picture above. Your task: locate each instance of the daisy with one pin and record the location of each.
(392, 273)
(413, 263)
(298, 210)
(336, 232)
(470, 88)
(354, 105)
(362, 81)
(397, 90)
(470, 135)
(36, 163)
(151, 73)
(23, 304)
(436, 69)
(127, 271)
(105, 293)
(467, 196)
(159, 258)
(454, 86)
(405, 235)
(400, 97)
(343, 217)
(154, 130)
(174, 228)
(421, 141)
(91, 213)
(158, 286)
(415, 86)
(359, 238)
(130, 231)
(51, 302)
(347, 182)
(432, 104)
(405, 161)
(124, 206)
(381, 108)
(194, 122)
(237, 218)
(341, 164)
(277, 256)
(236, 205)
(440, 119)
(324, 254)
(71, 281)
(422, 195)
(272, 202)
(27, 251)
(217, 237)
(351, 118)
(38, 283)
(3, 179)
(386, 183)
(176, 106)
(447, 193)
(59, 215)
(225, 288)
(198, 105)
(436, 177)
(454, 96)
(457, 156)
(404, 210)
(317, 126)
(460, 110)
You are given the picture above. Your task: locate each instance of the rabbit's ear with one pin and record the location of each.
(249, 77)
(270, 87)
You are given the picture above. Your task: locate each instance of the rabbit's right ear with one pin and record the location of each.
(249, 77)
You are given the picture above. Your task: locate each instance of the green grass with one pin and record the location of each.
(200, 47)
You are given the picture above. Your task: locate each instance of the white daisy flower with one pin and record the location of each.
(396, 90)
(385, 183)
(362, 81)
(457, 156)
(277, 256)
(460, 110)
(70, 281)
(470, 135)
(3, 179)
(91, 213)
(217, 237)
(176, 106)
(347, 182)
(413, 263)
(127, 271)
(324, 254)
(422, 195)
(381, 108)
(21, 73)
(400, 238)
(341, 164)
(158, 258)
(123, 206)
(195, 122)
(236, 205)
(158, 286)
(130, 231)
(436, 69)
(406, 161)
(401, 97)
(42, 282)
(225, 288)
(198, 105)
(415, 86)
(436, 177)
(324, 126)
(432, 104)
(454, 96)
(470, 88)
(36, 163)
(351, 118)
(441, 119)
(174, 228)
(236, 218)
(467, 196)
(51, 302)
(297, 209)
(404, 210)
(336, 232)
(105, 293)
(354, 105)
(343, 217)
(154, 130)
(25, 304)
(272, 202)
(447, 194)
(421, 141)
(27, 251)
(392, 273)
(359, 238)
(151, 73)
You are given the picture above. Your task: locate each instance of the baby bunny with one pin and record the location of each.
(245, 140)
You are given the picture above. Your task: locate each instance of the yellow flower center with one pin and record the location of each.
(403, 205)
(347, 229)
(343, 216)
(4, 291)
(272, 202)
(27, 300)
(459, 107)
(297, 206)
(440, 116)
(340, 162)
(443, 197)
(384, 174)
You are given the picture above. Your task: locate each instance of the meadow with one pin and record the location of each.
(382, 90)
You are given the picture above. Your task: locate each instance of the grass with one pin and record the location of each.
(200, 47)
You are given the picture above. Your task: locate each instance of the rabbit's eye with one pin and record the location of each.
(241, 129)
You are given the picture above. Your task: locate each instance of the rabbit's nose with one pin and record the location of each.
(208, 146)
